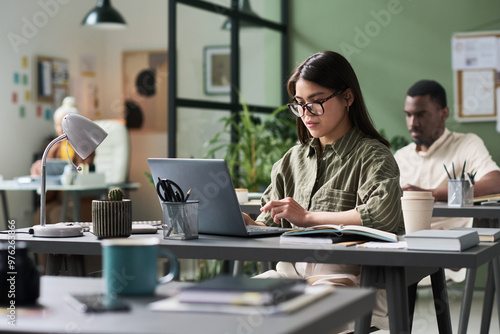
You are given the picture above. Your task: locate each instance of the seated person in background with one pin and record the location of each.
(342, 172)
(421, 162)
(59, 151)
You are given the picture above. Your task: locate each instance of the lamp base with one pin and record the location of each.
(59, 230)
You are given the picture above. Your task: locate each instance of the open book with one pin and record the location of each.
(347, 230)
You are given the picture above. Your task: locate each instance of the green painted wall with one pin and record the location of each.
(406, 41)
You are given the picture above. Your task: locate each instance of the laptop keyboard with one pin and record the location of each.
(257, 228)
(156, 223)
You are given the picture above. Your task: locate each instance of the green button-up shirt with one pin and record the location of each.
(354, 172)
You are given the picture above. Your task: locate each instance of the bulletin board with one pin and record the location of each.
(52, 80)
(476, 72)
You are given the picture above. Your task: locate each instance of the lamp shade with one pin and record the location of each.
(244, 7)
(104, 16)
(83, 134)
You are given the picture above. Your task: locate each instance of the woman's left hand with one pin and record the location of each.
(288, 209)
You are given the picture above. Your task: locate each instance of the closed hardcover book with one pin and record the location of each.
(242, 290)
(442, 240)
(311, 294)
(314, 239)
(485, 233)
(362, 232)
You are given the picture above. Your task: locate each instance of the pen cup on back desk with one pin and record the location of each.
(417, 210)
(460, 193)
(180, 220)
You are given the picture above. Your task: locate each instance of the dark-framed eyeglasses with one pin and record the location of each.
(315, 108)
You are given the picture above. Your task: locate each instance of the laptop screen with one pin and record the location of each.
(211, 184)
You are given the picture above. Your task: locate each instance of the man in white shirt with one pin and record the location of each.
(422, 162)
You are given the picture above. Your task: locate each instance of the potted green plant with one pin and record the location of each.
(112, 218)
(260, 143)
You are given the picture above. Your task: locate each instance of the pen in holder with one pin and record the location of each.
(460, 193)
(180, 220)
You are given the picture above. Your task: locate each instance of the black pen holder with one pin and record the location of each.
(460, 193)
(180, 220)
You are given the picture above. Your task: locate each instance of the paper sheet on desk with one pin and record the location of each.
(392, 245)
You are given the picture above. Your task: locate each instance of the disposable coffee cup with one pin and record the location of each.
(242, 195)
(417, 210)
(418, 195)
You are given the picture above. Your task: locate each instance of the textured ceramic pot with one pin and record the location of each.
(112, 219)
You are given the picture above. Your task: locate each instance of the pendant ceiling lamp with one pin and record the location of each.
(104, 16)
(243, 7)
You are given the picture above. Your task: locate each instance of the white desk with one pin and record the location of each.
(393, 269)
(55, 316)
(75, 192)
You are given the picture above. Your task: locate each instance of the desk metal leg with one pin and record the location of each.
(441, 304)
(362, 325)
(64, 209)
(75, 265)
(75, 195)
(238, 267)
(412, 299)
(397, 300)
(488, 301)
(76, 207)
(5, 207)
(54, 263)
(496, 279)
(470, 280)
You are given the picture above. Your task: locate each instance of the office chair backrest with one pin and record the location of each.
(112, 157)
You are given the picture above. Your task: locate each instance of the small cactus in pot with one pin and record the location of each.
(115, 194)
(112, 218)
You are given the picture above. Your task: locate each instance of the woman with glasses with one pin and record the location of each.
(342, 172)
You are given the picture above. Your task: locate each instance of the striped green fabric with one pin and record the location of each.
(354, 172)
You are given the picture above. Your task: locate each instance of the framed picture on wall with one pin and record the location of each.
(217, 70)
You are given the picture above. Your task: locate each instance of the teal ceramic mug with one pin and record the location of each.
(130, 266)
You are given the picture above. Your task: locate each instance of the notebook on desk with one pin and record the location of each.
(211, 184)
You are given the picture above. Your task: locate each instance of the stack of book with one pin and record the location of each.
(243, 295)
(442, 240)
(486, 234)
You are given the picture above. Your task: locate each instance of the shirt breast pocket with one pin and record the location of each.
(327, 199)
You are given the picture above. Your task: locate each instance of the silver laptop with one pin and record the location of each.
(211, 184)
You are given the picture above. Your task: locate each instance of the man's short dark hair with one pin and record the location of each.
(429, 87)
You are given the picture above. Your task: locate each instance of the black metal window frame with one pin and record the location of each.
(233, 106)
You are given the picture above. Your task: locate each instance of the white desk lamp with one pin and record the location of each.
(84, 136)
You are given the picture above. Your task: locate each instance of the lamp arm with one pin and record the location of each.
(44, 177)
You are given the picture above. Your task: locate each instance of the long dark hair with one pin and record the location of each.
(331, 70)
